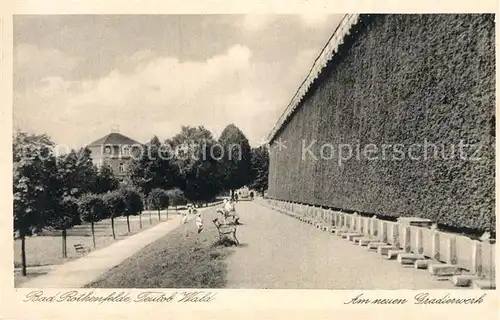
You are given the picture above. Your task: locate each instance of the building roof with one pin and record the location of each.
(326, 55)
(113, 138)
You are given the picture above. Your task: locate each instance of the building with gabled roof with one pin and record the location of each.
(115, 150)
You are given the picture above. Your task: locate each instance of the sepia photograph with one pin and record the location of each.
(254, 151)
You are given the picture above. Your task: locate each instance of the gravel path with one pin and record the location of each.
(279, 252)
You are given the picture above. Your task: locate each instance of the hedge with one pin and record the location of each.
(400, 79)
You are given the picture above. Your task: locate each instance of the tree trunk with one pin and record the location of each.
(23, 253)
(167, 213)
(159, 218)
(113, 226)
(140, 220)
(150, 220)
(128, 224)
(93, 234)
(64, 247)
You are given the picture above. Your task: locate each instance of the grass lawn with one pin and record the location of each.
(47, 250)
(181, 259)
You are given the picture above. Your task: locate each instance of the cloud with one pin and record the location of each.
(31, 63)
(259, 22)
(315, 20)
(256, 22)
(161, 93)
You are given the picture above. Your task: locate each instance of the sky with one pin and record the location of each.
(78, 77)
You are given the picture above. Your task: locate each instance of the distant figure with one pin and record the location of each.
(230, 209)
(199, 221)
(235, 197)
(185, 217)
(251, 195)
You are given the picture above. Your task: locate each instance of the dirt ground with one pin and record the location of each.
(279, 252)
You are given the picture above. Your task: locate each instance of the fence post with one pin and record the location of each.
(395, 235)
(406, 239)
(477, 252)
(435, 245)
(452, 250)
(382, 227)
(419, 241)
(373, 229)
(366, 230)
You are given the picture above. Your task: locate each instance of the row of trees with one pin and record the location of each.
(59, 192)
(201, 166)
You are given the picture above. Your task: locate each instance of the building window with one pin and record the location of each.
(107, 150)
(126, 150)
(121, 167)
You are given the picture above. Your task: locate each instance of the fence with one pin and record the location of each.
(472, 255)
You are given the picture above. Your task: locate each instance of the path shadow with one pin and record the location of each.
(242, 245)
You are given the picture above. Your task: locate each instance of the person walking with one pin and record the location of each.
(230, 209)
(198, 221)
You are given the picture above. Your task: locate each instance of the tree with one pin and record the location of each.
(33, 166)
(153, 168)
(236, 158)
(78, 172)
(197, 163)
(115, 205)
(176, 197)
(133, 203)
(105, 179)
(92, 209)
(158, 200)
(74, 175)
(260, 169)
(65, 214)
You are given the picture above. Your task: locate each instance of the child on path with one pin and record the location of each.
(184, 218)
(199, 221)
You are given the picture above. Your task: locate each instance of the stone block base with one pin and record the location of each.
(373, 246)
(353, 236)
(484, 284)
(409, 258)
(443, 269)
(383, 250)
(463, 280)
(393, 253)
(365, 241)
(421, 264)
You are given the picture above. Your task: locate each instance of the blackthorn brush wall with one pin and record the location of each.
(407, 80)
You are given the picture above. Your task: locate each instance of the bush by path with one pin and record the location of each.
(181, 259)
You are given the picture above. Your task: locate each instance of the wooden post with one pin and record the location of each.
(452, 250)
(382, 227)
(477, 252)
(353, 223)
(366, 228)
(395, 235)
(419, 241)
(406, 239)
(435, 245)
(373, 229)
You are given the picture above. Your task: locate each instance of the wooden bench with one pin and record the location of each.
(227, 231)
(80, 248)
